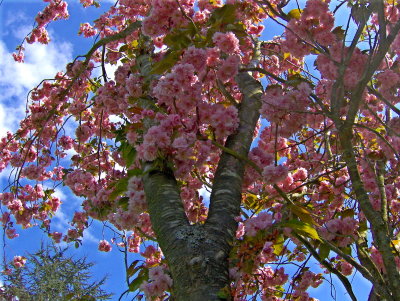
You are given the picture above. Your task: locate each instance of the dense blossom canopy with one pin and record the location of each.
(196, 83)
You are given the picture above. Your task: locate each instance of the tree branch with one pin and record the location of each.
(226, 194)
(165, 205)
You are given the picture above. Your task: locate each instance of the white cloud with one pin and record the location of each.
(61, 219)
(88, 236)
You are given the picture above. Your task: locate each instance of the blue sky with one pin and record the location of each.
(16, 20)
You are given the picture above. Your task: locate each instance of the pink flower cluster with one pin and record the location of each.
(376, 257)
(209, 5)
(229, 68)
(81, 183)
(86, 3)
(134, 8)
(269, 278)
(38, 34)
(306, 280)
(196, 57)
(314, 25)
(104, 246)
(19, 56)
(134, 85)
(327, 65)
(153, 256)
(165, 15)
(87, 30)
(257, 223)
(179, 89)
(137, 200)
(158, 282)
(226, 42)
(55, 10)
(157, 138)
(345, 268)
(134, 241)
(19, 261)
(284, 107)
(342, 231)
(274, 174)
(195, 209)
(223, 120)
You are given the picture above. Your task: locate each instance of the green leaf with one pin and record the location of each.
(132, 269)
(167, 62)
(128, 153)
(120, 187)
(339, 32)
(180, 38)
(279, 245)
(123, 48)
(296, 79)
(239, 29)
(223, 15)
(347, 213)
(143, 64)
(324, 251)
(251, 202)
(135, 284)
(303, 214)
(123, 202)
(295, 13)
(224, 293)
(248, 266)
(134, 172)
(346, 250)
(87, 298)
(302, 228)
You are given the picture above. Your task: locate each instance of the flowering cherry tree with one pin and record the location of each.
(299, 162)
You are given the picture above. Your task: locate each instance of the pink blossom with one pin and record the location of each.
(11, 233)
(159, 282)
(346, 268)
(227, 42)
(56, 237)
(240, 230)
(259, 222)
(196, 57)
(86, 3)
(104, 246)
(229, 68)
(18, 57)
(86, 29)
(274, 174)
(300, 175)
(134, 243)
(19, 261)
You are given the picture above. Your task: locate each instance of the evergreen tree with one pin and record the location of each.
(52, 274)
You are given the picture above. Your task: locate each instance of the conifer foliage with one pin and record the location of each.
(51, 274)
